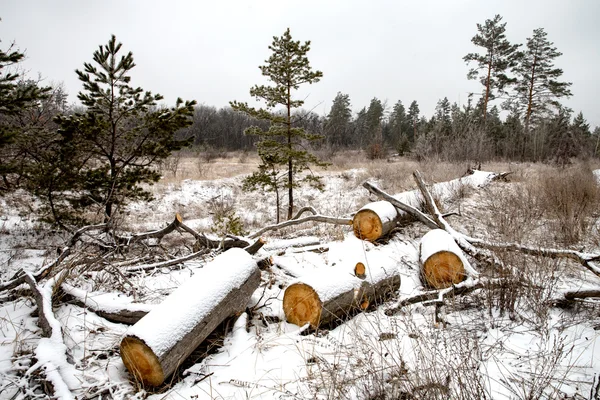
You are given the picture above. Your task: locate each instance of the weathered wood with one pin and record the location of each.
(310, 218)
(442, 262)
(375, 220)
(156, 346)
(124, 312)
(324, 297)
(401, 205)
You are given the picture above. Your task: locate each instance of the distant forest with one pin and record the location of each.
(520, 80)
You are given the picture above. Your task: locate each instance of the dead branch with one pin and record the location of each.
(254, 247)
(315, 218)
(434, 297)
(167, 263)
(42, 308)
(51, 330)
(157, 234)
(128, 313)
(310, 209)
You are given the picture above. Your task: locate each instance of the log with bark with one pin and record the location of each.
(375, 220)
(442, 262)
(156, 346)
(323, 297)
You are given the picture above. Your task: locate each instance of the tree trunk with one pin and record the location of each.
(442, 261)
(375, 220)
(157, 345)
(335, 294)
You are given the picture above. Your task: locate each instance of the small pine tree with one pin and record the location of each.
(281, 146)
(121, 135)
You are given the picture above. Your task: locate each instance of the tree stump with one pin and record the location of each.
(156, 345)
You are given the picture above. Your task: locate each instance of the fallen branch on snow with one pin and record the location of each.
(51, 349)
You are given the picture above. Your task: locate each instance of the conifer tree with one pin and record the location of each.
(16, 96)
(413, 117)
(122, 134)
(537, 85)
(338, 121)
(281, 145)
(491, 66)
(400, 128)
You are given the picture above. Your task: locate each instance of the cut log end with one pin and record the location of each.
(302, 305)
(367, 225)
(443, 269)
(360, 271)
(141, 362)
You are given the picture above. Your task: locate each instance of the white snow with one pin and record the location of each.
(277, 359)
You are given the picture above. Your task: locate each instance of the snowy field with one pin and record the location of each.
(517, 339)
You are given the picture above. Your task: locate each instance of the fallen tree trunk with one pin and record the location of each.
(375, 220)
(442, 261)
(157, 345)
(109, 306)
(323, 297)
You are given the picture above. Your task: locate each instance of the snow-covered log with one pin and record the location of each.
(442, 262)
(156, 346)
(322, 297)
(375, 220)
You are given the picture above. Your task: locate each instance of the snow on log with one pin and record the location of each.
(322, 297)
(379, 218)
(442, 262)
(375, 220)
(155, 346)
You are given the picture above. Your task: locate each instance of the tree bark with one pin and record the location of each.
(324, 297)
(157, 345)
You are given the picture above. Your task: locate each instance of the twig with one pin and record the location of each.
(315, 218)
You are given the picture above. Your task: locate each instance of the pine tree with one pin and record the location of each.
(122, 134)
(413, 118)
(280, 146)
(374, 129)
(17, 95)
(338, 121)
(491, 67)
(537, 86)
(400, 128)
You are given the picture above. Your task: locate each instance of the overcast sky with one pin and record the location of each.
(210, 50)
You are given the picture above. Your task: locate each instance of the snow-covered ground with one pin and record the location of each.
(508, 342)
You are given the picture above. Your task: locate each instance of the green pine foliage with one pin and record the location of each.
(17, 96)
(537, 79)
(337, 124)
(492, 65)
(120, 137)
(283, 146)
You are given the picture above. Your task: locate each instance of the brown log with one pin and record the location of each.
(314, 218)
(325, 297)
(375, 220)
(442, 261)
(158, 344)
